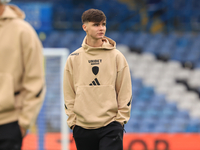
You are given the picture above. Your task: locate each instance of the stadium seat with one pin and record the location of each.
(137, 113)
(171, 106)
(66, 39)
(116, 36)
(141, 105)
(176, 129)
(140, 41)
(160, 129)
(193, 125)
(163, 121)
(167, 113)
(124, 50)
(133, 125)
(182, 114)
(191, 128)
(156, 105)
(186, 105)
(129, 39)
(159, 98)
(176, 92)
(182, 122)
(152, 113)
(149, 123)
(194, 81)
(52, 39)
(195, 113)
(145, 128)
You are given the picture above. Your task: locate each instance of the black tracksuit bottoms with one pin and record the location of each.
(109, 137)
(10, 136)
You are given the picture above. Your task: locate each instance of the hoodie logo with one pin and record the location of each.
(95, 71)
(95, 62)
(74, 54)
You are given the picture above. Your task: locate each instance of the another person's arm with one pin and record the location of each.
(33, 81)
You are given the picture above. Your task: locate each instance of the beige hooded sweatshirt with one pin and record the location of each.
(97, 86)
(21, 69)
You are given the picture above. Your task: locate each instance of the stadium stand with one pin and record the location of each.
(165, 92)
(156, 90)
(165, 68)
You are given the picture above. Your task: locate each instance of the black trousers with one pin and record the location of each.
(109, 137)
(10, 136)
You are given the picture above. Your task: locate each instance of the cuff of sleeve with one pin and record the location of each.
(72, 127)
(23, 123)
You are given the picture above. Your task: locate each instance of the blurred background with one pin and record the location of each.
(161, 42)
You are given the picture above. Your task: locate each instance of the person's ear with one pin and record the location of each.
(84, 26)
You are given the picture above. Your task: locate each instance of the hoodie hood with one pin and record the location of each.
(108, 44)
(12, 11)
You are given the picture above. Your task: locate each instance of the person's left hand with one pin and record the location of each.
(23, 131)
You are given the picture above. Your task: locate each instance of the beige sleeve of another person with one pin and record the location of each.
(33, 81)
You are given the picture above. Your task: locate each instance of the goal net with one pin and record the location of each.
(51, 131)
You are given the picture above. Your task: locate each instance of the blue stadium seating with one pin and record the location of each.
(193, 125)
(150, 110)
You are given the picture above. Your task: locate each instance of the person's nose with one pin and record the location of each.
(101, 27)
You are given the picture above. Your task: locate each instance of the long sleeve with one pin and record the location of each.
(124, 92)
(33, 81)
(69, 95)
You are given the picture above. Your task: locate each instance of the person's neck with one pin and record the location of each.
(2, 7)
(94, 43)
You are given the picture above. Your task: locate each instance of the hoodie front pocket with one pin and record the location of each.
(6, 92)
(95, 103)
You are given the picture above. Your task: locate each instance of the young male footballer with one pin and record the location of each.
(97, 88)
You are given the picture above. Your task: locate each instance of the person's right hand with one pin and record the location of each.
(23, 131)
(73, 127)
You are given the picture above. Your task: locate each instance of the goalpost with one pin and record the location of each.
(63, 54)
(51, 131)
